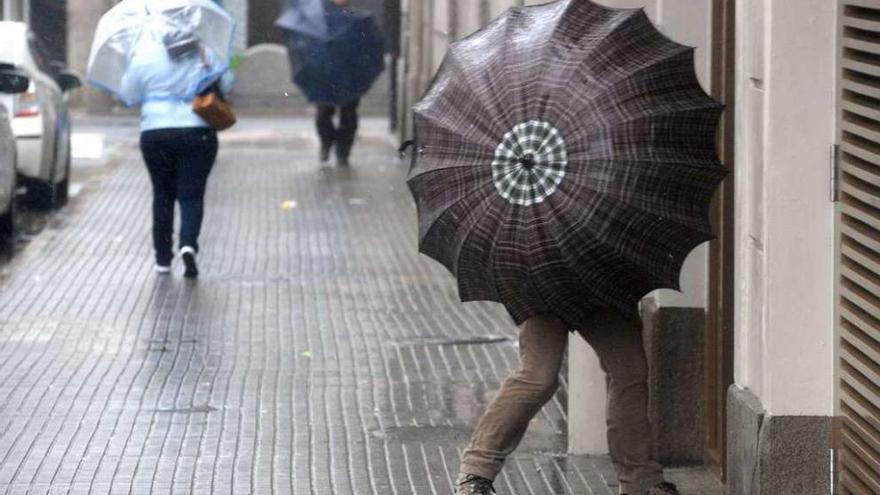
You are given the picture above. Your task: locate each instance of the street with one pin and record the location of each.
(317, 353)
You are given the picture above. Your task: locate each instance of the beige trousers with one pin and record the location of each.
(617, 340)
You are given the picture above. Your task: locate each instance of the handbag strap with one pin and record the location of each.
(214, 87)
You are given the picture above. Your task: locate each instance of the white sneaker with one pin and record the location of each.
(163, 269)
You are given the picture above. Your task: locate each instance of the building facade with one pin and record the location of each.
(14, 10)
(778, 324)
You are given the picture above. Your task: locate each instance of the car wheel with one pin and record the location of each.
(44, 194)
(41, 194)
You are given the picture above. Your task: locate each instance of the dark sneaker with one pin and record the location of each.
(665, 488)
(325, 153)
(189, 261)
(472, 484)
(342, 161)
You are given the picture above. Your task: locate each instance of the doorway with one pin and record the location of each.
(720, 317)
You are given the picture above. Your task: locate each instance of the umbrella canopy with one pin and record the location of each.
(133, 26)
(565, 161)
(340, 66)
(306, 17)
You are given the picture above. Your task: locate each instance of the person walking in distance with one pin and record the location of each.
(343, 135)
(336, 53)
(178, 146)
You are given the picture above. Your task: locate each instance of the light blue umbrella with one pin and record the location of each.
(193, 35)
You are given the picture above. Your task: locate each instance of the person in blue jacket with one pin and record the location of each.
(178, 146)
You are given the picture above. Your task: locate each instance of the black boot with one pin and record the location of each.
(325, 152)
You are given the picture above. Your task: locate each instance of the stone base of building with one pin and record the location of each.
(775, 455)
(674, 342)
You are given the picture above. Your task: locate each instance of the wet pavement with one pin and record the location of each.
(95, 145)
(317, 354)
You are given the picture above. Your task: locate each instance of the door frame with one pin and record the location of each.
(720, 312)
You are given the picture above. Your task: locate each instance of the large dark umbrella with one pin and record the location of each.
(565, 161)
(337, 60)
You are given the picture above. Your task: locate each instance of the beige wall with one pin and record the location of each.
(15, 10)
(785, 238)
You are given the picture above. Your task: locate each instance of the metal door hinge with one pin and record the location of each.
(835, 173)
(836, 439)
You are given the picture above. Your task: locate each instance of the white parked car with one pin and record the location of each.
(40, 119)
(12, 81)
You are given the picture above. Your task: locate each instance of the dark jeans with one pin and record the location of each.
(342, 136)
(179, 161)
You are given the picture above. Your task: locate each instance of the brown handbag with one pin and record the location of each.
(211, 107)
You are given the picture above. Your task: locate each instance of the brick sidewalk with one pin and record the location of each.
(317, 354)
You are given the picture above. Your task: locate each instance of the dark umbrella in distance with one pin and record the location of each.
(565, 161)
(335, 61)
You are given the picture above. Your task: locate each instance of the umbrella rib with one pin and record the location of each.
(491, 108)
(419, 175)
(710, 166)
(573, 262)
(712, 105)
(655, 279)
(707, 234)
(707, 164)
(492, 251)
(705, 227)
(626, 76)
(448, 127)
(580, 281)
(588, 53)
(467, 196)
(678, 221)
(654, 63)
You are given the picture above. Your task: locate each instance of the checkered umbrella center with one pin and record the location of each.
(529, 163)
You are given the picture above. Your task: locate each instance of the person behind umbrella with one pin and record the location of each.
(336, 53)
(178, 146)
(565, 162)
